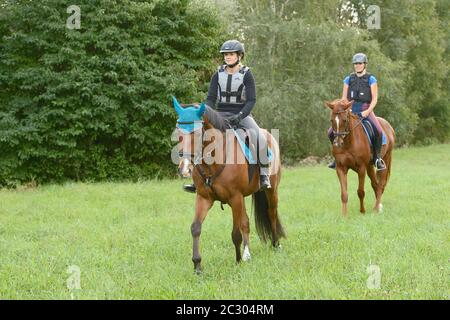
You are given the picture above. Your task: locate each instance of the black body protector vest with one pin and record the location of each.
(359, 88)
(231, 89)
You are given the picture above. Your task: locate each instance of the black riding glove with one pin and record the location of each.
(235, 119)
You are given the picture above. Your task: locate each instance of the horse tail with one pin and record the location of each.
(262, 218)
(388, 157)
(392, 139)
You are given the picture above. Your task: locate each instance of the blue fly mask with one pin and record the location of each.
(190, 117)
(190, 120)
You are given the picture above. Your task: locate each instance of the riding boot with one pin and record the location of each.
(263, 162)
(189, 188)
(264, 177)
(332, 165)
(379, 163)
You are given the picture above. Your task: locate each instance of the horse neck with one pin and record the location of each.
(353, 132)
(206, 143)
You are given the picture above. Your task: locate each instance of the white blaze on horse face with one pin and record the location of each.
(337, 130)
(186, 144)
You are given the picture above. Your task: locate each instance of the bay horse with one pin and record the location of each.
(225, 181)
(352, 150)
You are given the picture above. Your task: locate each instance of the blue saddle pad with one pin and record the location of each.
(369, 130)
(251, 158)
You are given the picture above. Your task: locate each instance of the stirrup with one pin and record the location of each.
(189, 188)
(379, 164)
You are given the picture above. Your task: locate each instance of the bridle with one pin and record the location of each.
(197, 158)
(346, 131)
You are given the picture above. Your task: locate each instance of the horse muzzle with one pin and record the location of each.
(185, 168)
(338, 142)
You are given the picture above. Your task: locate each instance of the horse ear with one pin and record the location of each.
(349, 104)
(328, 104)
(177, 106)
(201, 110)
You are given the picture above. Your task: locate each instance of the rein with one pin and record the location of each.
(347, 131)
(197, 159)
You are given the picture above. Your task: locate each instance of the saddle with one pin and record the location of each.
(370, 133)
(250, 151)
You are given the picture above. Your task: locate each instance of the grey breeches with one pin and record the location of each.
(256, 137)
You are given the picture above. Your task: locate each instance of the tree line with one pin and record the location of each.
(93, 103)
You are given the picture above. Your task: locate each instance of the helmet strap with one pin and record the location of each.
(234, 64)
(362, 69)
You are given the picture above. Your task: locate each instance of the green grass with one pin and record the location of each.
(133, 241)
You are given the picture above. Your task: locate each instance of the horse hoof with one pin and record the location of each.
(198, 272)
(278, 247)
(379, 209)
(246, 256)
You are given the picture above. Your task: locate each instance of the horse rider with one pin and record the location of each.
(233, 87)
(362, 88)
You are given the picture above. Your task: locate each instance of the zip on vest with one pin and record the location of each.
(231, 88)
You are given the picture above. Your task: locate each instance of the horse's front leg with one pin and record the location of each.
(342, 175)
(245, 228)
(202, 205)
(361, 193)
(237, 207)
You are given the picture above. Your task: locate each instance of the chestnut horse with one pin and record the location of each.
(352, 150)
(226, 181)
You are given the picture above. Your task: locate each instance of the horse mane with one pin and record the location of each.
(206, 123)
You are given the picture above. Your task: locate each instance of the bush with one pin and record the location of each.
(93, 103)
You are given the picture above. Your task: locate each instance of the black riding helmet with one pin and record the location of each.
(233, 46)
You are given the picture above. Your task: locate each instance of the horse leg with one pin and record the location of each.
(375, 186)
(237, 207)
(342, 175)
(383, 177)
(202, 206)
(361, 193)
(245, 229)
(272, 201)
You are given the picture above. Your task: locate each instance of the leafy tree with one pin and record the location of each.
(300, 59)
(417, 32)
(93, 103)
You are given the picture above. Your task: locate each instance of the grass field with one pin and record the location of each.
(133, 241)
